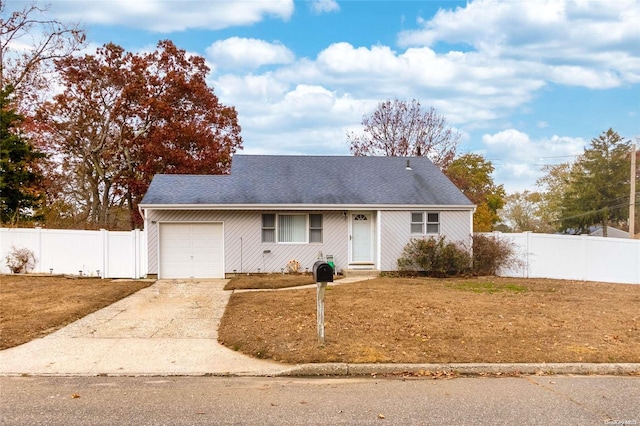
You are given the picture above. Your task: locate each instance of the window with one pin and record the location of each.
(269, 228)
(417, 223)
(315, 228)
(292, 228)
(433, 223)
(425, 223)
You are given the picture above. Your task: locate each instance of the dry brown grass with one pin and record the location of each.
(426, 320)
(268, 281)
(34, 306)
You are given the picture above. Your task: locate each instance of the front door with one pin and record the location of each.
(361, 238)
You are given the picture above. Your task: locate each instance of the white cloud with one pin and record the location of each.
(566, 36)
(518, 159)
(344, 82)
(508, 53)
(236, 52)
(324, 6)
(169, 16)
(343, 58)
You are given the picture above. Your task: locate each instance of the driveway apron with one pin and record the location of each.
(168, 328)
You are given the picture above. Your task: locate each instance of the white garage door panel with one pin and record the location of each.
(191, 250)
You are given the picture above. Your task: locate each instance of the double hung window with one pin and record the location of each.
(425, 223)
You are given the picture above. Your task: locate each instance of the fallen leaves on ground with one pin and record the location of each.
(425, 320)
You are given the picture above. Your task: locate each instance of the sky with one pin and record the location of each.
(526, 82)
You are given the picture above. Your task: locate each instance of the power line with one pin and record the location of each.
(613, 207)
(561, 156)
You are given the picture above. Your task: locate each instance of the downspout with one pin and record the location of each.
(144, 216)
(137, 266)
(378, 244)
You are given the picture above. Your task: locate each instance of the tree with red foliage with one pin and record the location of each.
(125, 117)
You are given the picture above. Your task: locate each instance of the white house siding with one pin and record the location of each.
(396, 233)
(244, 251)
(457, 226)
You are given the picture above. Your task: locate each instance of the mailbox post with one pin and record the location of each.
(322, 274)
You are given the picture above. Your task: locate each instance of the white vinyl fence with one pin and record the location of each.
(574, 257)
(111, 254)
(106, 254)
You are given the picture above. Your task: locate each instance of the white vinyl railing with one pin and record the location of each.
(105, 254)
(574, 257)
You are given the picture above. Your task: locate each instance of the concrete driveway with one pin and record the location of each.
(169, 328)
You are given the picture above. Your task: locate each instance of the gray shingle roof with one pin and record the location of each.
(311, 180)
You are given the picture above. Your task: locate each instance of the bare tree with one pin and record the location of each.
(401, 128)
(29, 43)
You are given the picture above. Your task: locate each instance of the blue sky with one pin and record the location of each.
(526, 82)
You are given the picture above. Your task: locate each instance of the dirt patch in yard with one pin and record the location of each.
(268, 281)
(34, 306)
(271, 281)
(422, 320)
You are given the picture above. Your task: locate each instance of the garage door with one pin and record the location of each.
(191, 250)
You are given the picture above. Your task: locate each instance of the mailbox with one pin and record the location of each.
(322, 272)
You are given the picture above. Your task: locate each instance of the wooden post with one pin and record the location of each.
(320, 310)
(632, 195)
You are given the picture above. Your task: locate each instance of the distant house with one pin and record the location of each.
(611, 232)
(270, 210)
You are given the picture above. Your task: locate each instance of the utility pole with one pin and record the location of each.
(632, 195)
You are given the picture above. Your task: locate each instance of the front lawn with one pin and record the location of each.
(34, 306)
(425, 320)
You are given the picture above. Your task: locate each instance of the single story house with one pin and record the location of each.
(273, 210)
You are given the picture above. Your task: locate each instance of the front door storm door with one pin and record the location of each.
(361, 239)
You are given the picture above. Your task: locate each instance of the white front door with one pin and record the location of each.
(361, 238)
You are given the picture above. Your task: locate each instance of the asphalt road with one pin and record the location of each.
(527, 400)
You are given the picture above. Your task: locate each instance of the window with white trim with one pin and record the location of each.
(269, 228)
(433, 223)
(292, 228)
(425, 222)
(315, 228)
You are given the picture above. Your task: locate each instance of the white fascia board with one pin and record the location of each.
(306, 207)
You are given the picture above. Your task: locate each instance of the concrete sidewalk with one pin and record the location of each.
(171, 328)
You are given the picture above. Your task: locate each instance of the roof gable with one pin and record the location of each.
(311, 180)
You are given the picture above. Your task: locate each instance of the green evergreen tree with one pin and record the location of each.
(598, 187)
(19, 175)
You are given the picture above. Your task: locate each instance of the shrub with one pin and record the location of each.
(435, 257)
(490, 254)
(20, 260)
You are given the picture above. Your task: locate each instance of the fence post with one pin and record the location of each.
(38, 255)
(527, 254)
(585, 257)
(638, 264)
(136, 253)
(104, 271)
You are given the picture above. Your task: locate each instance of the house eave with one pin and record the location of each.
(294, 207)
